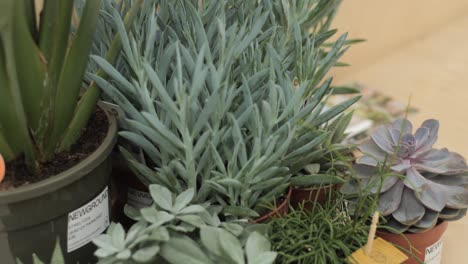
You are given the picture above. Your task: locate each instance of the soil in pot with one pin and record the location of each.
(309, 196)
(425, 247)
(280, 210)
(70, 202)
(17, 174)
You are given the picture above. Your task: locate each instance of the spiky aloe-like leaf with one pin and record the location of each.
(41, 74)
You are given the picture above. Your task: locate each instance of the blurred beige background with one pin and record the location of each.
(389, 25)
(416, 48)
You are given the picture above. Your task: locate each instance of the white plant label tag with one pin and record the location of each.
(88, 221)
(139, 199)
(434, 253)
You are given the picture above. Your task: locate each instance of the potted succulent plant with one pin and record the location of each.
(127, 188)
(174, 230)
(229, 111)
(421, 189)
(324, 233)
(55, 141)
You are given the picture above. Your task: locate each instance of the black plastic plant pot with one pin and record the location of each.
(72, 207)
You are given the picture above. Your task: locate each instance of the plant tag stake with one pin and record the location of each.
(377, 251)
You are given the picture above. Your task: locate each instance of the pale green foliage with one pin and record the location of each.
(219, 245)
(227, 98)
(166, 232)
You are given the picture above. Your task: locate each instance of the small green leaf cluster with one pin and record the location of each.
(218, 245)
(176, 231)
(227, 98)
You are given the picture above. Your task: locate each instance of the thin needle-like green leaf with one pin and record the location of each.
(32, 82)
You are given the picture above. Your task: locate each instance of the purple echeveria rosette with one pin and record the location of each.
(424, 184)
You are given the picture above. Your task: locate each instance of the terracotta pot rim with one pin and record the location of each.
(277, 210)
(415, 244)
(312, 194)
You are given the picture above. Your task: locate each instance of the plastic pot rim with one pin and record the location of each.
(70, 175)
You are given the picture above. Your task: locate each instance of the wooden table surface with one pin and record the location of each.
(416, 49)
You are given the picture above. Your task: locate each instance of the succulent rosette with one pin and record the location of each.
(418, 184)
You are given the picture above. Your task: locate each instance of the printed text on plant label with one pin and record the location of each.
(434, 253)
(88, 221)
(139, 199)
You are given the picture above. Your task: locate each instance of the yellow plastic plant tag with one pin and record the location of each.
(382, 253)
(377, 251)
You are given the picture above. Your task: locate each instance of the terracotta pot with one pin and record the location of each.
(309, 196)
(282, 209)
(427, 246)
